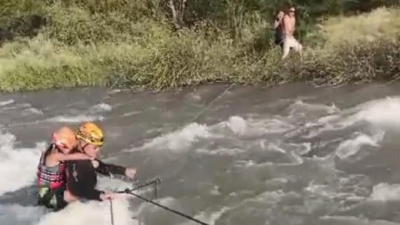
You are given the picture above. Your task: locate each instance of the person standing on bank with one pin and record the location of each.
(289, 27)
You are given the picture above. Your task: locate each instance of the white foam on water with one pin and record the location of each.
(18, 106)
(275, 147)
(28, 109)
(334, 122)
(131, 113)
(91, 115)
(385, 192)
(179, 140)
(17, 170)
(147, 208)
(17, 166)
(33, 111)
(345, 219)
(314, 107)
(208, 217)
(372, 112)
(18, 215)
(351, 147)
(383, 112)
(215, 190)
(339, 123)
(275, 125)
(301, 148)
(267, 126)
(252, 127)
(237, 125)
(221, 151)
(75, 119)
(3, 103)
(146, 211)
(92, 212)
(182, 139)
(352, 220)
(292, 155)
(112, 184)
(383, 222)
(327, 191)
(195, 97)
(114, 91)
(272, 197)
(102, 107)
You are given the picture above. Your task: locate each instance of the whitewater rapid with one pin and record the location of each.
(291, 160)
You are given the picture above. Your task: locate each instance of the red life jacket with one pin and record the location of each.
(52, 177)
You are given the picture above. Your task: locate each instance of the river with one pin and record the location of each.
(227, 155)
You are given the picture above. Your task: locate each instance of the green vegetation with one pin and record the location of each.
(159, 44)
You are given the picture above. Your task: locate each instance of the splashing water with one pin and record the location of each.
(18, 166)
(300, 160)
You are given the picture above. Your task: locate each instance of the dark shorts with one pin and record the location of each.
(279, 38)
(52, 198)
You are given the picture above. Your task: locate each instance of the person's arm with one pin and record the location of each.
(74, 156)
(81, 180)
(277, 22)
(278, 19)
(108, 169)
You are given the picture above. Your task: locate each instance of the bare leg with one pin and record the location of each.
(286, 47)
(300, 50)
(68, 197)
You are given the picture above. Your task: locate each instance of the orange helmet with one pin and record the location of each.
(65, 137)
(90, 133)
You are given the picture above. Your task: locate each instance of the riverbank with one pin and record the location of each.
(89, 49)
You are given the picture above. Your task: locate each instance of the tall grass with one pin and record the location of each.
(380, 23)
(131, 44)
(365, 47)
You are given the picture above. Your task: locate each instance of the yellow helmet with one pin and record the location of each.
(91, 133)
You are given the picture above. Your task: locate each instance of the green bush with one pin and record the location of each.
(137, 44)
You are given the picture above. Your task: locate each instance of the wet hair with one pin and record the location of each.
(288, 6)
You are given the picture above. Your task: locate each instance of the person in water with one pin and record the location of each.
(81, 174)
(51, 168)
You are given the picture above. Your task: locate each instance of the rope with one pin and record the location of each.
(154, 182)
(166, 208)
(206, 107)
(112, 212)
